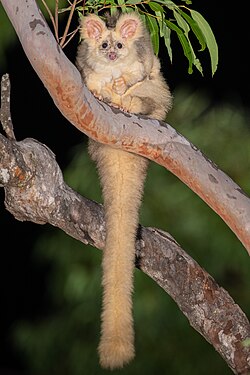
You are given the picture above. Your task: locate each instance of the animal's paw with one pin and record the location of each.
(119, 86)
(97, 95)
(131, 104)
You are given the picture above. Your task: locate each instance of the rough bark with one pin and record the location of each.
(153, 139)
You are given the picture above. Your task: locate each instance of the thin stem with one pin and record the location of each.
(62, 42)
(71, 35)
(5, 117)
(56, 15)
(52, 20)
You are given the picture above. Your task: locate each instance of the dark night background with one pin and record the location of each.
(34, 115)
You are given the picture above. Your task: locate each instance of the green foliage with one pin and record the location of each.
(163, 17)
(64, 340)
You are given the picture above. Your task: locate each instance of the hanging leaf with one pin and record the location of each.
(209, 37)
(184, 43)
(154, 32)
(167, 40)
(184, 25)
(181, 22)
(156, 7)
(195, 28)
(165, 32)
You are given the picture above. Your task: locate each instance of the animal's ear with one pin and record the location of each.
(92, 27)
(129, 26)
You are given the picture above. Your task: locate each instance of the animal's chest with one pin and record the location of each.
(102, 76)
(109, 72)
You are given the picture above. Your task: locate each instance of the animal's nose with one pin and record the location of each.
(112, 56)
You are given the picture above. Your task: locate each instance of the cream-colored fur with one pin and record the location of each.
(122, 176)
(130, 78)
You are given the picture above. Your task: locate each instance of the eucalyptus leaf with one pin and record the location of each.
(165, 32)
(156, 7)
(181, 22)
(169, 4)
(209, 37)
(184, 25)
(184, 43)
(195, 28)
(160, 19)
(132, 2)
(167, 40)
(154, 32)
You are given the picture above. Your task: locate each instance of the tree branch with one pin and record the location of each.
(150, 138)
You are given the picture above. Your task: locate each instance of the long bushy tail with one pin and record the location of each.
(122, 177)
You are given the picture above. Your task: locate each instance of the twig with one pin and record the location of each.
(56, 15)
(71, 35)
(5, 117)
(54, 22)
(62, 42)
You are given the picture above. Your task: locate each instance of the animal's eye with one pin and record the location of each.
(119, 45)
(104, 45)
